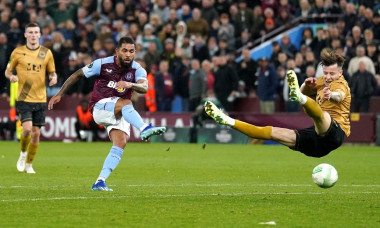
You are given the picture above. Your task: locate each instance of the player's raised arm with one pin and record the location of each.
(309, 86)
(68, 83)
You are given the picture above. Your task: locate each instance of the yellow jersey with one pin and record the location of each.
(340, 112)
(31, 67)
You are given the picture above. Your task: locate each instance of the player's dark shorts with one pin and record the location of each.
(313, 145)
(34, 112)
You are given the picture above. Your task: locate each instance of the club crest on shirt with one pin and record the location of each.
(128, 76)
(42, 54)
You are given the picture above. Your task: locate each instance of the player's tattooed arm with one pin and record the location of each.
(141, 86)
(70, 81)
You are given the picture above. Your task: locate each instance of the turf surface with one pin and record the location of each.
(186, 185)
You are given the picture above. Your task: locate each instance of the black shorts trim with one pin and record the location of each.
(311, 144)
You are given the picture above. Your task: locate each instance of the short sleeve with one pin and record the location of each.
(12, 62)
(92, 69)
(50, 65)
(140, 74)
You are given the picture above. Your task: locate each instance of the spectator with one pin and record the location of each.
(5, 53)
(161, 10)
(14, 35)
(245, 40)
(258, 22)
(284, 18)
(181, 30)
(357, 37)
(200, 50)
(222, 6)
(267, 84)
(287, 46)
(246, 70)
(210, 78)
(167, 32)
(120, 13)
(226, 82)
(173, 19)
(376, 26)
(208, 12)
(151, 57)
(350, 16)
(319, 42)
(197, 85)
(372, 52)
(243, 18)
(226, 31)
(150, 96)
(62, 10)
(363, 85)
(163, 82)
(4, 22)
(186, 13)
(149, 37)
(353, 65)
(198, 25)
(85, 122)
(169, 55)
(307, 37)
(215, 25)
(368, 38)
(20, 14)
(223, 48)
(268, 27)
(181, 81)
(44, 19)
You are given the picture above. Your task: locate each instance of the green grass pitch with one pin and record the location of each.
(186, 185)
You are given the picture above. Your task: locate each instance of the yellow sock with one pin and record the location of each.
(24, 142)
(32, 150)
(253, 131)
(312, 109)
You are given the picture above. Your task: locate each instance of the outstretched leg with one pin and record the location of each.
(284, 136)
(321, 119)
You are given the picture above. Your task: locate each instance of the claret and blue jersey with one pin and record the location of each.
(109, 73)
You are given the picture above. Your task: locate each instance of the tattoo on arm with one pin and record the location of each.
(336, 96)
(71, 81)
(141, 86)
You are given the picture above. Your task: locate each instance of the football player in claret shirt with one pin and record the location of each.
(330, 112)
(31, 62)
(117, 77)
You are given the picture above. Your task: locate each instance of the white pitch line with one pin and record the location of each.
(179, 195)
(194, 185)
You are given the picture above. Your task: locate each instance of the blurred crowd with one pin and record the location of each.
(189, 47)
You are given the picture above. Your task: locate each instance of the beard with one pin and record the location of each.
(123, 64)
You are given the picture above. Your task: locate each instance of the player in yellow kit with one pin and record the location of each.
(28, 66)
(330, 112)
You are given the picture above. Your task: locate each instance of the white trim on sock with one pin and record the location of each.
(303, 99)
(143, 127)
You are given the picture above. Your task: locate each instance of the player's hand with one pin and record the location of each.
(13, 78)
(54, 100)
(326, 93)
(53, 80)
(311, 82)
(123, 84)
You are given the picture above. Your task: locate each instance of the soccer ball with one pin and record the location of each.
(325, 175)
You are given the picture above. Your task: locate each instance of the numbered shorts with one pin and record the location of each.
(103, 114)
(34, 112)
